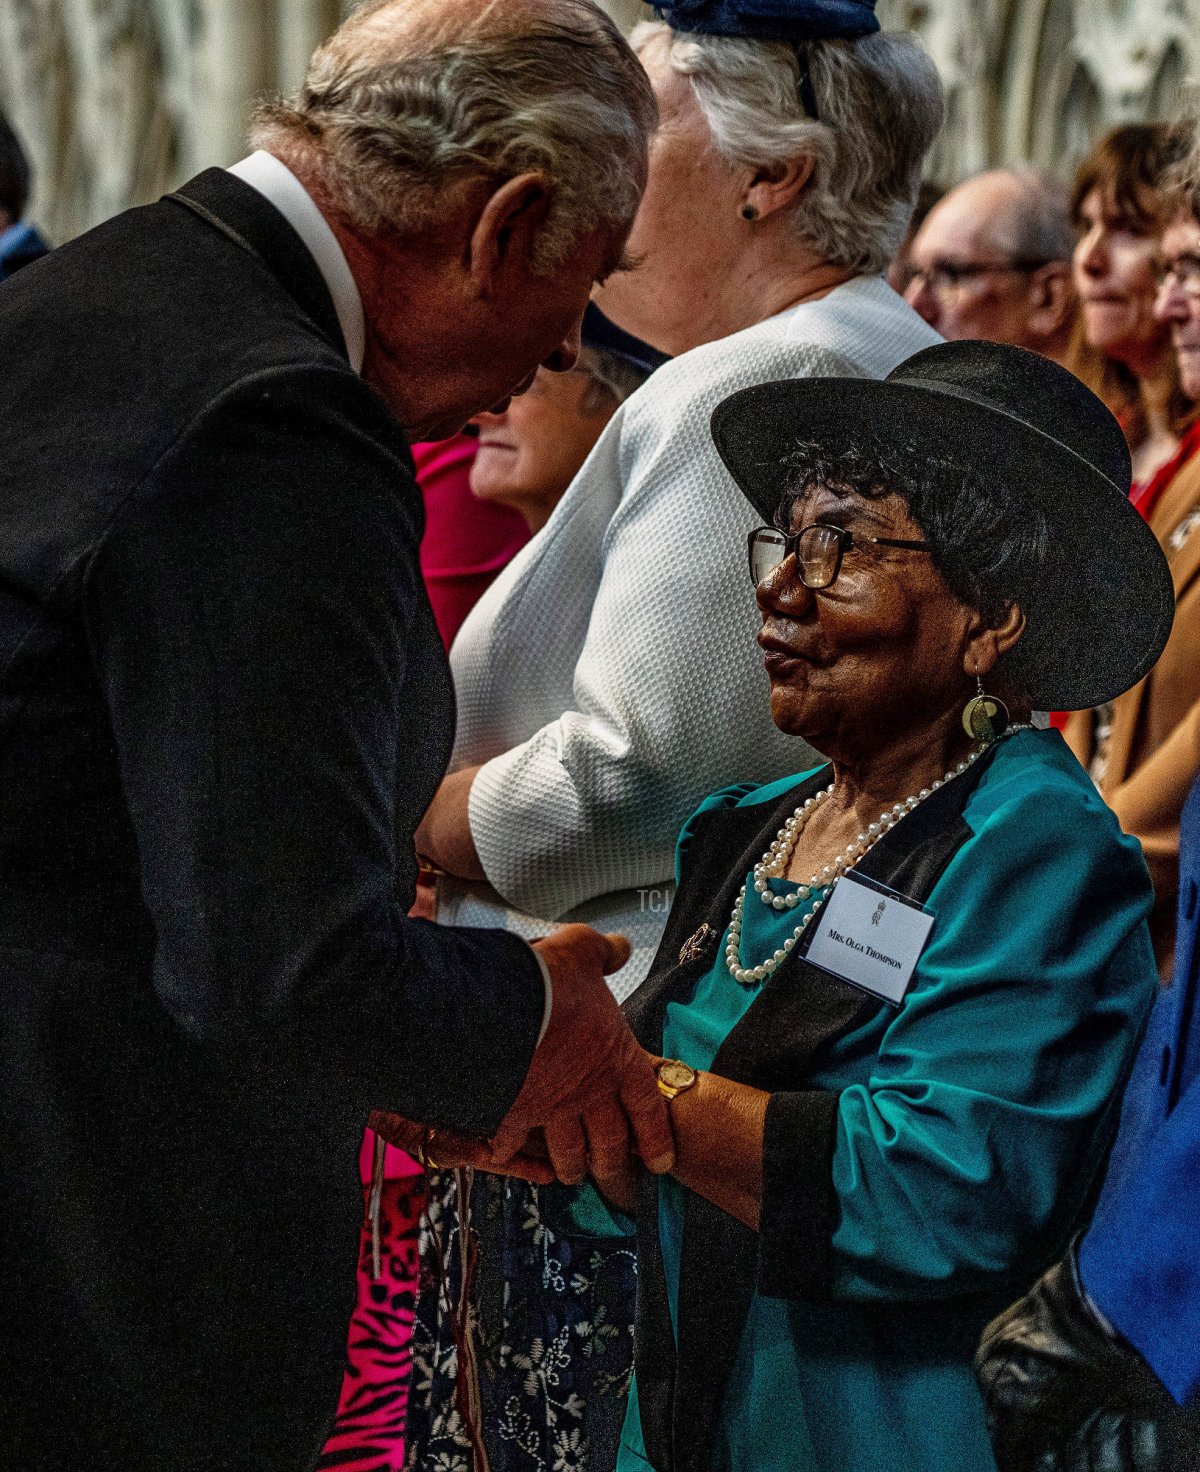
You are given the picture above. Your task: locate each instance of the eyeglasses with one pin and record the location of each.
(817, 548)
(1183, 271)
(947, 276)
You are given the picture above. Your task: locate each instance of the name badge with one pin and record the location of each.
(870, 936)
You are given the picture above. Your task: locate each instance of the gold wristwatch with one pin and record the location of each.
(674, 1077)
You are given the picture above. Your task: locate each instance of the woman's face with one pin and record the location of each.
(880, 651)
(529, 453)
(688, 229)
(1115, 268)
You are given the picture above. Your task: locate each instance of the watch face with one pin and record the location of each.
(676, 1075)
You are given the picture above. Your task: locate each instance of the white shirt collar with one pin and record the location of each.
(276, 183)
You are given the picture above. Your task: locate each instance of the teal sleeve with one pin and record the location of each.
(727, 797)
(969, 1153)
(581, 1211)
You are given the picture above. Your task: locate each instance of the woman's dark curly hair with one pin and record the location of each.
(990, 543)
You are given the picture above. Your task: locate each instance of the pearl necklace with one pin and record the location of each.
(774, 863)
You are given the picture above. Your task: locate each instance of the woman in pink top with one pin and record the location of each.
(466, 541)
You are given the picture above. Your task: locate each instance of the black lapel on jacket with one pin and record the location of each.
(725, 846)
(799, 1013)
(230, 205)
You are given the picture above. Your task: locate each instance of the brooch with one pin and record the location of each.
(696, 945)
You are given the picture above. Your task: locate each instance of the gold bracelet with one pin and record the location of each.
(422, 1151)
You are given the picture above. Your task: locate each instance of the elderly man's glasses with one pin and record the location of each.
(1183, 271)
(946, 277)
(818, 550)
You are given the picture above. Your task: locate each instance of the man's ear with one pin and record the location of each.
(1053, 299)
(506, 228)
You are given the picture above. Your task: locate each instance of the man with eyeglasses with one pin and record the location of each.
(993, 261)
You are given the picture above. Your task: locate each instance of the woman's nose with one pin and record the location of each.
(1090, 255)
(781, 591)
(566, 354)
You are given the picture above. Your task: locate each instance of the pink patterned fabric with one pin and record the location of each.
(368, 1434)
(466, 541)
(466, 544)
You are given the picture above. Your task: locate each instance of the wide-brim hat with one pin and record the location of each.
(773, 20)
(1103, 617)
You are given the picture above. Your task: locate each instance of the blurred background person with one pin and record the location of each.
(601, 679)
(529, 453)
(1143, 749)
(900, 272)
(465, 544)
(1117, 205)
(993, 260)
(20, 241)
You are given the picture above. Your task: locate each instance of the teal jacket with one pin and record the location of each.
(922, 1163)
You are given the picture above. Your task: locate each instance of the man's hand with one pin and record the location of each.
(1064, 1395)
(450, 1150)
(590, 1087)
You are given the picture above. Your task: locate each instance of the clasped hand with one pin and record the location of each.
(590, 1100)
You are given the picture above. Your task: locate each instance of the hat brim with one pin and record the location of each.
(1111, 600)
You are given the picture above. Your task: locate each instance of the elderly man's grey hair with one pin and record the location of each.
(879, 108)
(1036, 224)
(411, 101)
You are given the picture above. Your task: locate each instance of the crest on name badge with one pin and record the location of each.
(697, 944)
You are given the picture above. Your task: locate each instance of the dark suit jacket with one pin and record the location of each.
(223, 707)
(1140, 1259)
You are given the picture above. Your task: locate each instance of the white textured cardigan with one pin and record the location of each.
(609, 679)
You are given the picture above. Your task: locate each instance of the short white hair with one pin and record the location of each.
(404, 106)
(879, 108)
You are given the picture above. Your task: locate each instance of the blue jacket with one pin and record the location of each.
(19, 245)
(1140, 1259)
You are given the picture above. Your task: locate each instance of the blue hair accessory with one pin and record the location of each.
(773, 20)
(599, 332)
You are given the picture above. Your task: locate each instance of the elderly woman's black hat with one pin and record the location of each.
(1099, 616)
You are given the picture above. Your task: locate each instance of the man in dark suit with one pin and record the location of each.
(224, 706)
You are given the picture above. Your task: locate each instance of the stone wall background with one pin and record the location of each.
(118, 100)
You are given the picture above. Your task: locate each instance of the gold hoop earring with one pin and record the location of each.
(985, 717)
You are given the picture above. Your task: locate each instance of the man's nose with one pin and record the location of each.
(918, 295)
(566, 354)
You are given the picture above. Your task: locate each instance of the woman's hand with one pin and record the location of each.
(443, 835)
(621, 1189)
